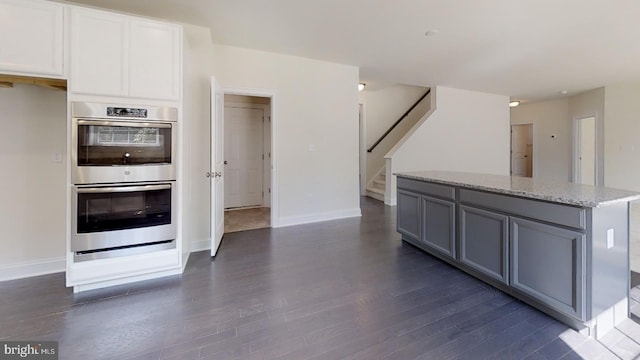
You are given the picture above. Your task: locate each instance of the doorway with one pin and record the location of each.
(247, 162)
(363, 151)
(584, 170)
(522, 150)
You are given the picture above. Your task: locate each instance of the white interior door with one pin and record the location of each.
(243, 156)
(217, 167)
(522, 150)
(586, 151)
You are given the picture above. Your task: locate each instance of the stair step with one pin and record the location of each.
(379, 183)
(375, 193)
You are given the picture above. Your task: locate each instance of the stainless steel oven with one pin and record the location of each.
(122, 143)
(119, 220)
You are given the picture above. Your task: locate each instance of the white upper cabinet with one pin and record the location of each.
(99, 53)
(120, 55)
(155, 60)
(32, 38)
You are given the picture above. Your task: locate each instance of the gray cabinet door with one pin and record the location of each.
(484, 241)
(438, 225)
(548, 264)
(408, 219)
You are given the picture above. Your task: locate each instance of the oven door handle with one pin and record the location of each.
(123, 189)
(143, 124)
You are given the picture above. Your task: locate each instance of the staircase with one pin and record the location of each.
(377, 187)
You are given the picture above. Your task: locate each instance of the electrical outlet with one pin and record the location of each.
(610, 239)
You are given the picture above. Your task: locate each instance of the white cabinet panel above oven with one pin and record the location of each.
(125, 56)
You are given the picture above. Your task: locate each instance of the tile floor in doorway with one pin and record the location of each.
(247, 219)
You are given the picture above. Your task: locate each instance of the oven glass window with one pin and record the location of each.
(123, 145)
(108, 211)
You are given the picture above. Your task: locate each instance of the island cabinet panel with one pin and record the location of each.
(409, 215)
(438, 225)
(548, 264)
(561, 214)
(484, 242)
(434, 190)
(560, 247)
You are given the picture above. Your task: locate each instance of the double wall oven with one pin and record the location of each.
(123, 169)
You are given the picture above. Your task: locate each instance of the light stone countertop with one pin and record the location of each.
(553, 191)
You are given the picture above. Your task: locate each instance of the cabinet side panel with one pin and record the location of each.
(610, 257)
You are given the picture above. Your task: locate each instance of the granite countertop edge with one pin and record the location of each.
(555, 198)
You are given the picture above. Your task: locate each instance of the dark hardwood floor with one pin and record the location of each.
(345, 289)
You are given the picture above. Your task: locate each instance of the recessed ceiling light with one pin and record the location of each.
(564, 92)
(514, 103)
(361, 86)
(432, 32)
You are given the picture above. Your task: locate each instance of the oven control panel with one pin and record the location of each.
(126, 112)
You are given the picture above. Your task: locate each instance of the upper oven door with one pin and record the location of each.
(111, 151)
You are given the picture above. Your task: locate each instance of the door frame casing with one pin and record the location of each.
(533, 144)
(264, 109)
(575, 147)
(272, 95)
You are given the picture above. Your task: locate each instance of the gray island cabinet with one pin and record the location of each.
(560, 247)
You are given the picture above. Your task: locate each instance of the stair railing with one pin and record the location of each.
(398, 122)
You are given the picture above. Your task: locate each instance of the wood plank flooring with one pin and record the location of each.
(345, 289)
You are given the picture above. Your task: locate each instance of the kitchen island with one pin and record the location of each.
(560, 247)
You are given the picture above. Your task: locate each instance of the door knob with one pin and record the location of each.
(209, 174)
(218, 174)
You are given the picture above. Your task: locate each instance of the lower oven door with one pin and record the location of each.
(115, 217)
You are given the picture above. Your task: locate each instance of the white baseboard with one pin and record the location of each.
(200, 245)
(318, 217)
(125, 280)
(32, 268)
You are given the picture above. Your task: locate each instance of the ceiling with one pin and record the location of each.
(527, 49)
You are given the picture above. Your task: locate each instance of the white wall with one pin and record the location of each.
(591, 103)
(382, 108)
(622, 140)
(196, 128)
(468, 131)
(33, 203)
(552, 137)
(315, 107)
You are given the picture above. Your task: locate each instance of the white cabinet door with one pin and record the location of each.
(31, 38)
(99, 52)
(155, 60)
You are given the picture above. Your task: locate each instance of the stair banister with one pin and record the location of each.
(398, 121)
